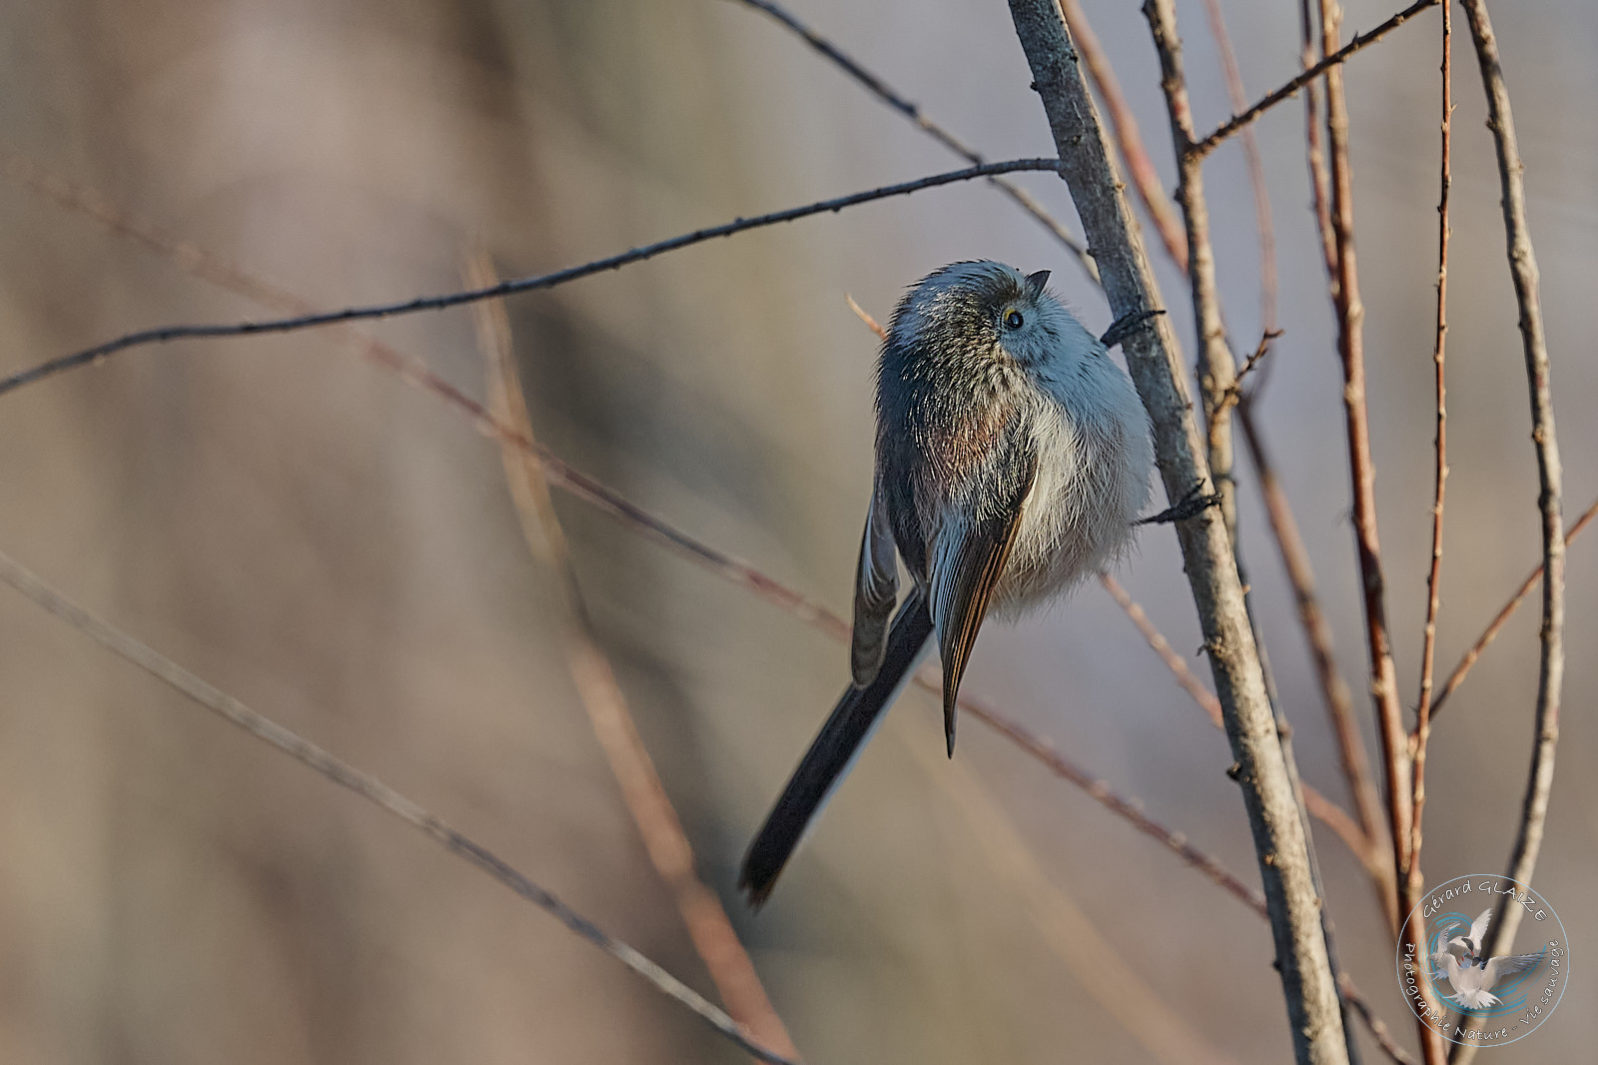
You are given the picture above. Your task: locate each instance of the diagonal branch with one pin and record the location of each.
(370, 312)
(1280, 842)
(1309, 74)
(263, 728)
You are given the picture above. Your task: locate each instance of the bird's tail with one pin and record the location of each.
(833, 750)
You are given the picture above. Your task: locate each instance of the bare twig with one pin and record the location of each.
(1421, 736)
(1361, 466)
(1534, 341)
(1234, 392)
(879, 88)
(665, 841)
(1256, 167)
(1155, 362)
(1156, 639)
(1304, 77)
(371, 789)
(1490, 633)
(1127, 140)
(506, 288)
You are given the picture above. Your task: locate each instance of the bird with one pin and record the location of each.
(1012, 459)
(1473, 976)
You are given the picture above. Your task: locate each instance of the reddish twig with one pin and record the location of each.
(665, 841)
(1421, 736)
(371, 789)
(372, 312)
(1362, 468)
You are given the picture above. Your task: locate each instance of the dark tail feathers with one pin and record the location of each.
(831, 752)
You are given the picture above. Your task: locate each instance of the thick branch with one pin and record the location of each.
(1154, 360)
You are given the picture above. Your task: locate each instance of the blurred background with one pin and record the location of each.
(340, 551)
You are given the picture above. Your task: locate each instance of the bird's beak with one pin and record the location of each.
(1035, 282)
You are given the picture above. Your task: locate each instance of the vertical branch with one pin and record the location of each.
(1217, 368)
(1362, 468)
(1534, 341)
(1423, 705)
(1152, 354)
(665, 841)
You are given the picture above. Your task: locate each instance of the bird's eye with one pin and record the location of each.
(1013, 320)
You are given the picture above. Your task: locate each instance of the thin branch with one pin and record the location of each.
(1127, 140)
(665, 841)
(371, 789)
(1156, 639)
(874, 84)
(506, 288)
(1534, 341)
(1490, 633)
(1256, 168)
(1234, 392)
(1362, 468)
(1421, 736)
(1155, 362)
(1304, 77)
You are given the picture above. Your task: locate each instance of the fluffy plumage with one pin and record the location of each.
(1013, 458)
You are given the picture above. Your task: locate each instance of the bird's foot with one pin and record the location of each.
(1191, 505)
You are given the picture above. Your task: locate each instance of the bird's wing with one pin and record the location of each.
(1506, 965)
(875, 591)
(1478, 929)
(968, 558)
(1448, 963)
